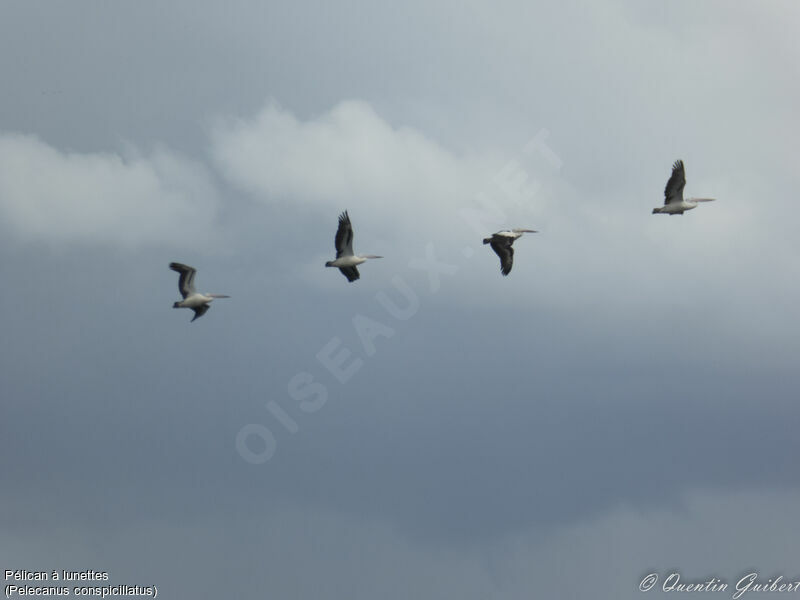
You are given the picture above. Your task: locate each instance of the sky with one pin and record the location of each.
(623, 403)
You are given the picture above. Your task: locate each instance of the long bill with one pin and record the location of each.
(218, 296)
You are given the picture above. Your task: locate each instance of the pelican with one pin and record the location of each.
(199, 303)
(501, 244)
(674, 204)
(346, 261)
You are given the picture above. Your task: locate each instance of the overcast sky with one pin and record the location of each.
(623, 403)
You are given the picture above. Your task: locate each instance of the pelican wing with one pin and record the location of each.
(350, 272)
(344, 237)
(673, 193)
(502, 247)
(200, 311)
(186, 281)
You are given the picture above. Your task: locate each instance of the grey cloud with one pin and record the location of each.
(56, 196)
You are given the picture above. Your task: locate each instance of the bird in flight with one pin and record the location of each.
(501, 243)
(674, 204)
(199, 303)
(346, 261)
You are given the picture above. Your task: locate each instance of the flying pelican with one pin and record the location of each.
(346, 261)
(199, 303)
(674, 204)
(501, 244)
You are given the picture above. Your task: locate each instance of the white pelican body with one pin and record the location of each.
(674, 204)
(199, 303)
(501, 244)
(346, 261)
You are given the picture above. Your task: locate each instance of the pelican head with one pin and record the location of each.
(329, 263)
(176, 305)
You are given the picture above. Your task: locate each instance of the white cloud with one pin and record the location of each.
(348, 154)
(393, 178)
(55, 196)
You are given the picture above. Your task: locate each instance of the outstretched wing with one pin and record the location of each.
(350, 272)
(200, 311)
(502, 247)
(186, 281)
(344, 236)
(673, 193)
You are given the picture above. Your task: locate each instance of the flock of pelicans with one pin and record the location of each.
(501, 242)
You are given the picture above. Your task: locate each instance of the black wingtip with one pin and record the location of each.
(350, 273)
(180, 267)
